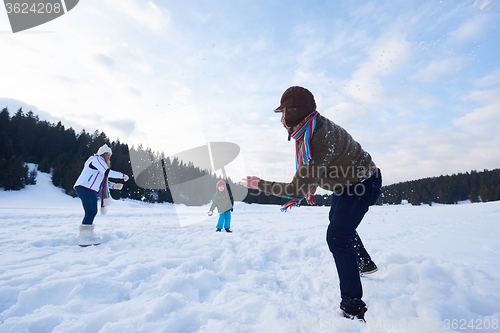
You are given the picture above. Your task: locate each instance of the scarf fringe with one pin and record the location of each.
(292, 203)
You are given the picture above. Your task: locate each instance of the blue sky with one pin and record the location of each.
(417, 83)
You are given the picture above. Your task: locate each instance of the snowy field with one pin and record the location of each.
(439, 269)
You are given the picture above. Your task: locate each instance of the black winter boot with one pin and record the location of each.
(217, 230)
(367, 267)
(227, 230)
(353, 308)
(360, 315)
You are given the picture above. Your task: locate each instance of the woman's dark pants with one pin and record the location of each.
(89, 202)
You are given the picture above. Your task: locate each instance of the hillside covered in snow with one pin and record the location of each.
(438, 269)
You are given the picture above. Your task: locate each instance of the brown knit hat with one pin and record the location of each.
(297, 103)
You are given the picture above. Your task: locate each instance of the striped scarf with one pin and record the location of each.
(302, 152)
(104, 194)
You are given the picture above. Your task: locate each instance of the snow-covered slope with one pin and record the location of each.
(439, 269)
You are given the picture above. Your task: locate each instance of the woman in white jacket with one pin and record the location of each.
(95, 171)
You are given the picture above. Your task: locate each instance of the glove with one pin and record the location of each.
(231, 208)
(117, 186)
(125, 177)
(210, 213)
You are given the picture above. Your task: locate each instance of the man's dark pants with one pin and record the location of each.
(347, 210)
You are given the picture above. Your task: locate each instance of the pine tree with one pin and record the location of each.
(497, 193)
(486, 193)
(14, 173)
(31, 179)
(6, 147)
(474, 195)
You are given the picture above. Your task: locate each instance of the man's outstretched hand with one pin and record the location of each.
(310, 196)
(251, 182)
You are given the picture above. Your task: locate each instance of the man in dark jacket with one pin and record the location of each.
(327, 156)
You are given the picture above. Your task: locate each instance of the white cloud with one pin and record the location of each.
(483, 121)
(366, 89)
(483, 4)
(385, 57)
(428, 102)
(146, 13)
(313, 81)
(470, 142)
(437, 68)
(473, 28)
(418, 151)
(488, 80)
(491, 96)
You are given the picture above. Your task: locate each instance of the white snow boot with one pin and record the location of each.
(87, 237)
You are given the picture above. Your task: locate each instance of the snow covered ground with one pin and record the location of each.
(439, 269)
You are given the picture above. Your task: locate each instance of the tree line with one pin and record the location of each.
(475, 186)
(62, 152)
(24, 138)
